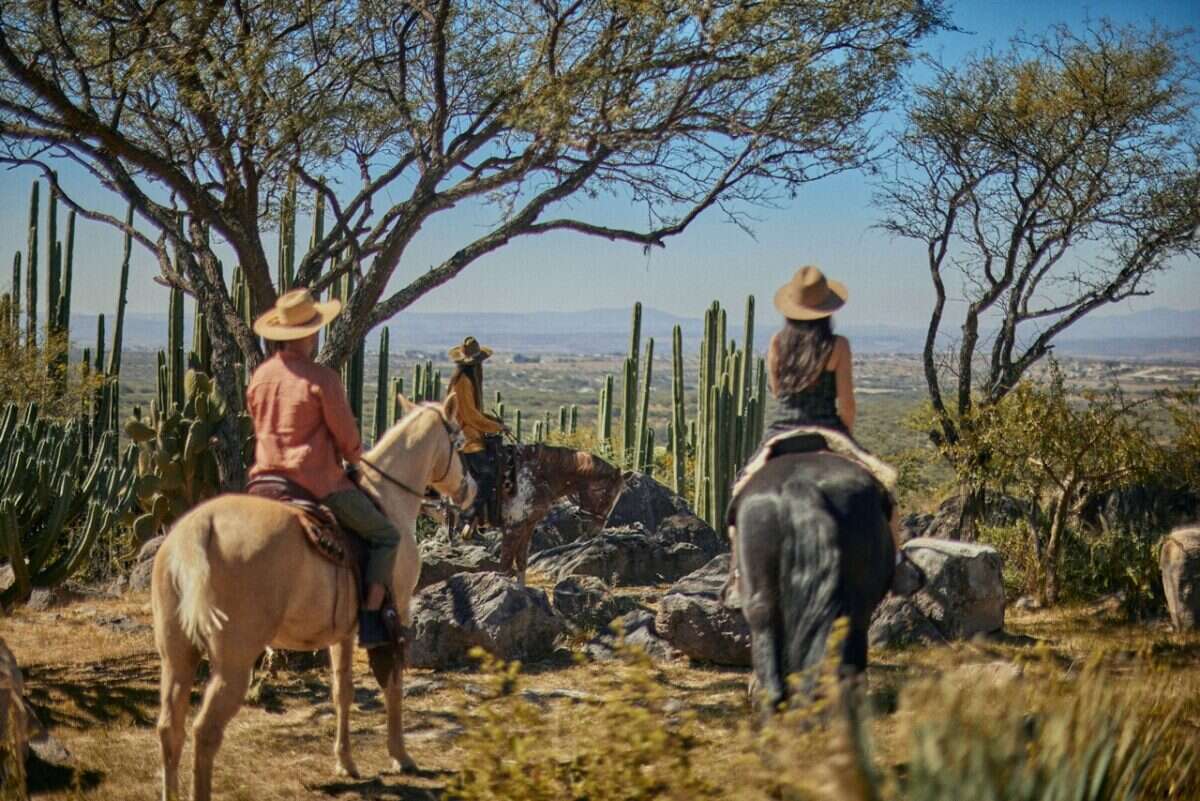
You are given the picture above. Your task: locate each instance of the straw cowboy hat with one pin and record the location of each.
(469, 352)
(295, 316)
(810, 295)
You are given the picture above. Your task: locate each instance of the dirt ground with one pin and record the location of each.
(92, 674)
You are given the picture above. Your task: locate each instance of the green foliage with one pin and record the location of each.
(56, 498)
(1115, 561)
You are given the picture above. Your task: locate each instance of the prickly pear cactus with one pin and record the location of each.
(176, 465)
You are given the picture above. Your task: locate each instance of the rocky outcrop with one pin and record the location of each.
(693, 619)
(488, 610)
(443, 561)
(562, 525)
(999, 510)
(625, 556)
(645, 501)
(585, 601)
(637, 630)
(143, 566)
(1180, 564)
(14, 724)
(963, 596)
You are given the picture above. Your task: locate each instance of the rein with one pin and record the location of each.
(400, 484)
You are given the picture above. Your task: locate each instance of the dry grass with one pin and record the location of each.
(97, 688)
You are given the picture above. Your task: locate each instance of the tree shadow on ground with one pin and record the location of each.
(104, 693)
(383, 789)
(46, 778)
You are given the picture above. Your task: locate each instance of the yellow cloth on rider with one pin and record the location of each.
(473, 422)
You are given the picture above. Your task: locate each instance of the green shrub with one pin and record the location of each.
(1115, 561)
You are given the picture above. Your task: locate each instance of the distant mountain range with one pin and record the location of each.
(1162, 333)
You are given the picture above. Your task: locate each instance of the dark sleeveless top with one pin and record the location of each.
(815, 405)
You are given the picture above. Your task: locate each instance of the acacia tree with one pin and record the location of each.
(394, 112)
(1055, 178)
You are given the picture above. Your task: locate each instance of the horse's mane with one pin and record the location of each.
(392, 434)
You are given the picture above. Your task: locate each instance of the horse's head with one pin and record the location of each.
(599, 495)
(446, 472)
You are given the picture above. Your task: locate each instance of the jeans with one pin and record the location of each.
(354, 511)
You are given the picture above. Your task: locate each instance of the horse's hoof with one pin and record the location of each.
(404, 765)
(347, 771)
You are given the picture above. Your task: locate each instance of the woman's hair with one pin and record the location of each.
(475, 373)
(802, 351)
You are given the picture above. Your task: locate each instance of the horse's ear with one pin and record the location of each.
(406, 405)
(450, 406)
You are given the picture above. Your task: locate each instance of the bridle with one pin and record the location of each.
(449, 464)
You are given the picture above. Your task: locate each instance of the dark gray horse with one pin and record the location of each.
(813, 545)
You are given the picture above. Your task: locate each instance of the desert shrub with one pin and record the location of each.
(1115, 561)
(633, 747)
(1016, 548)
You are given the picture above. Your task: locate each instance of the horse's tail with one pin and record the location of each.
(809, 574)
(188, 569)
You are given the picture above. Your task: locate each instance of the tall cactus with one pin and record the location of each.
(286, 259)
(604, 413)
(31, 277)
(175, 359)
(629, 389)
(641, 461)
(381, 387)
(574, 423)
(677, 443)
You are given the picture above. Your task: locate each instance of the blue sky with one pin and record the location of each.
(830, 223)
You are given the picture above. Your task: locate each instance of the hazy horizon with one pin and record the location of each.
(829, 223)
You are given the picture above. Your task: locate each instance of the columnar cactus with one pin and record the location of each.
(286, 258)
(604, 413)
(31, 260)
(55, 502)
(381, 387)
(629, 389)
(678, 421)
(731, 400)
(641, 442)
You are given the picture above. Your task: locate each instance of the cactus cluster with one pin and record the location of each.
(731, 404)
(176, 467)
(55, 499)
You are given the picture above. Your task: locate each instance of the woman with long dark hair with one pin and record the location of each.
(809, 368)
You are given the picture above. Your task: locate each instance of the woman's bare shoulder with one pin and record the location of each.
(840, 352)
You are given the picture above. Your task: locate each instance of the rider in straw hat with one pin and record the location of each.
(480, 430)
(304, 430)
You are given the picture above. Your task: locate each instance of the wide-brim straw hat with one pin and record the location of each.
(469, 352)
(296, 315)
(810, 295)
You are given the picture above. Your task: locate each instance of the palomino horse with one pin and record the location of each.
(813, 544)
(546, 473)
(236, 575)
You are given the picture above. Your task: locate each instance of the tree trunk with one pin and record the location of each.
(1058, 524)
(974, 501)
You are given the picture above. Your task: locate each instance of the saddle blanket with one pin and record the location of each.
(321, 528)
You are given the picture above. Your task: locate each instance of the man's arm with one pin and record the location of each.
(335, 408)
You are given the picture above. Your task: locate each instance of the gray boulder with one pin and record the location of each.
(563, 524)
(692, 617)
(963, 596)
(441, 561)
(1180, 564)
(586, 602)
(645, 501)
(487, 610)
(143, 566)
(637, 631)
(626, 557)
(687, 527)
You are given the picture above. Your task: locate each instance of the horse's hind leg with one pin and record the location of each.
(341, 656)
(222, 698)
(522, 538)
(179, 661)
(758, 585)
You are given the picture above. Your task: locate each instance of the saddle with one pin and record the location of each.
(496, 478)
(321, 528)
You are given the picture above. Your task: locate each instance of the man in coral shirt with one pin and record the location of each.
(304, 430)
